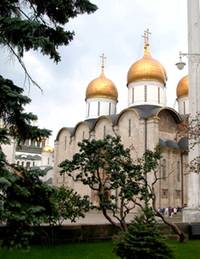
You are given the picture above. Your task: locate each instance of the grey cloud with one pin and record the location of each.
(116, 30)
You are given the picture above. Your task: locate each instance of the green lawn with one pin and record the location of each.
(97, 250)
(188, 250)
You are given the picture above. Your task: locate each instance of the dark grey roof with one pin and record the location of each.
(114, 118)
(28, 157)
(146, 111)
(70, 129)
(183, 144)
(172, 144)
(162, 142)
(91, 122)
(168, 143)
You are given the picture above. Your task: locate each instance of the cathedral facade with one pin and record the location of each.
(146, 123)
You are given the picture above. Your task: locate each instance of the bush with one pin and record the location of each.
(142, 240)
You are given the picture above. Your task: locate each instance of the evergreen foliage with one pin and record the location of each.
(25, 201)
(25, 204)
(23, 196)
(16, 122)
(142, 240)
(39, 24)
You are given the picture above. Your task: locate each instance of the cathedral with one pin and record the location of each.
(146, 123)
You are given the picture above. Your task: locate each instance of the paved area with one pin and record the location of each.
(97, 218)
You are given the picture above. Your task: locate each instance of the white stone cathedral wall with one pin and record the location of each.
(103, 126)
(82, 132)
(61, 152)
(135, 142)
(164, 127)
(171, 183)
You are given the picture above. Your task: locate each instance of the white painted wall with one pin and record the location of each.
(136, 93)
(9, 151)
(96, 107)
(183, 105)
(192, 212)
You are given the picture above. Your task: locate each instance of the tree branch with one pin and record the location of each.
(22, 65)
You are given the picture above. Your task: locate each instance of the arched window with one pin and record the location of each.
(28, 164)
(145, 93)
(158, 94)
(129, 127)
(178, 173)
(183, 107)
(109, 108)
(164, 193)
(163, 169)
(65, 142)
(133, 95)
(98, 108)
(88, 109)
(104, 131)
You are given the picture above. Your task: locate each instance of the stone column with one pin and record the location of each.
(192, 212)
(152, 132)
(152, 139)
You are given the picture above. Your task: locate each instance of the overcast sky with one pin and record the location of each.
(115, 29)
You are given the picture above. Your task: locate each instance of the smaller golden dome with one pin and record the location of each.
(47, 149)
(146, 68)
(102, 87)
(182, 87)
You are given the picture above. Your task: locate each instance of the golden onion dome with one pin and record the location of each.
(102, 87)
(147, 68)
(47, 149)
(182, 87)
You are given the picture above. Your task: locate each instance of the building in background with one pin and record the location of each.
(144, 124)
(31, 154)
(36, 154)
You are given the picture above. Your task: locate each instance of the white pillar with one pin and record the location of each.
(192, 212)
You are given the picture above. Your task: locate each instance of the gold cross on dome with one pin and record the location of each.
(103, 58)
(146, 35)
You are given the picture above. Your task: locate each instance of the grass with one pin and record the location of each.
(187, 250)
(96, 250)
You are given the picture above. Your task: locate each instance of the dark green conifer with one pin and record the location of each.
(142, 240)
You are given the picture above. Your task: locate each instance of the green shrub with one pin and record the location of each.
(142, 240)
